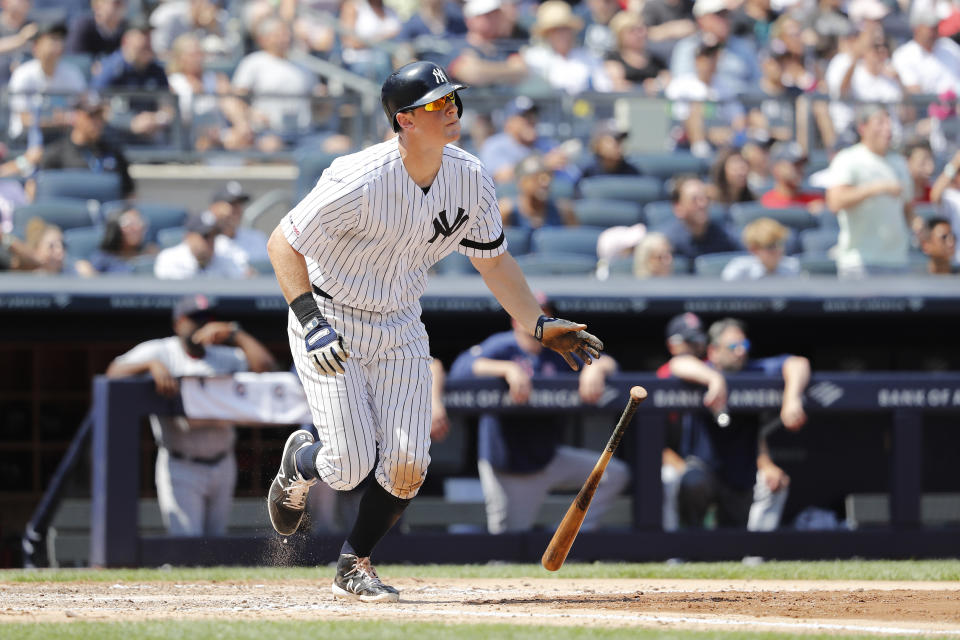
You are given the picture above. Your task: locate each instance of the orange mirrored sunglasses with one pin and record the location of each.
(439, 103)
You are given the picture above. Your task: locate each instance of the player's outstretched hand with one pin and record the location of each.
(569, 339)
(324, 347)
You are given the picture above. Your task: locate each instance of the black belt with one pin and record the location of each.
(320, 292)
(207, 461)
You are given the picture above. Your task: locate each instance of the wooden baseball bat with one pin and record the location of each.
(569, 527)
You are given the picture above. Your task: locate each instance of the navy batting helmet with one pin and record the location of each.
(414, 85)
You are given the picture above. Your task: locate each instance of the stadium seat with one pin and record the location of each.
(78, 183)
(80, 242)
(310, 167)
(143, 265)
(926, 210)
(455, 264)
(66, 213)
(156, 215)
(712, 264)
(263, 267)
(666, 164)
(918, 263)
(621, 266)
(561, 188)
(170, 237)
(743, 213)
(556, 264)
(579, 240)
(639, 189)
(818, 240)
(518, 240)
(817, 264)
(599, 212)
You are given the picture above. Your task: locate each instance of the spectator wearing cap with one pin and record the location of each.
(196, 255)
(631, 66)
(616, 244)
(606, 144)
(480, 61)
(691, 231)
(940, 246)
(689, 92)
(99, 32)
(766, 240)
(195, 469)
(653, 256)
(533, 207)
(41, 89)
(927, 64)
(502, 151)
(557, 59)
(248, 245)
(521, 458)
(871, 191)
(787, 162)
(278, 90)
(134, 67)
(724, 462)
(16, 32)
(86, 147)
(737, 63)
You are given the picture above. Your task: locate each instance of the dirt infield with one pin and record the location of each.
(795, 606)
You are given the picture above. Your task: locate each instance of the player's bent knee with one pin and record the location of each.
(403, 479)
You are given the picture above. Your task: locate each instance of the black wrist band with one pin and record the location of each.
(305, 308)
(538, 332)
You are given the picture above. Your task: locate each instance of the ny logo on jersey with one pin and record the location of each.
(439, 76)
(443, 228)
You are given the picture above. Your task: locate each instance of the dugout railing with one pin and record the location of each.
(906, 398)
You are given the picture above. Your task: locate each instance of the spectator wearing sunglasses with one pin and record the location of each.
(729, 467)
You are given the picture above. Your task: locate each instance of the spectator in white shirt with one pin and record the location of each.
(41, 90)
(557, 60)
(249, 245)
(196, 256)
(928, 64)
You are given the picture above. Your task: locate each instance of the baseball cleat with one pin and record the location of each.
(288, 491)
(356, 578)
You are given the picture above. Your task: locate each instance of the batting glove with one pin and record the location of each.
(324, 347)
(568, 339)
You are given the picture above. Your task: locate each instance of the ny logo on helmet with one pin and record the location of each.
(439, 76)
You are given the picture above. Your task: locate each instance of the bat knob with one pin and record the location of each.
(638, 393)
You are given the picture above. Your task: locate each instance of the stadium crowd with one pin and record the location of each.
(800, 136)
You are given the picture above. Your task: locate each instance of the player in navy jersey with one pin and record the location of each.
(352, 260)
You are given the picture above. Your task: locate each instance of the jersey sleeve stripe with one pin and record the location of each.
(484, 246)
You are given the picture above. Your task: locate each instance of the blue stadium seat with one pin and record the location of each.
(660, 212)
(518, 240)
(556, 264)
(455, 264)
(263, 267)
(143, 265)
(712, 264)
(311, 166)
(817, 264)
(170, 237)
(640, 189)
(621, 266)
(579, 240)
(82, 241)
(926, 210)
(66, 213)
(599, 212)
(562, 188)
(797, 218)
(156, 215)
(667, 164)
(78, 183)
(818, 241)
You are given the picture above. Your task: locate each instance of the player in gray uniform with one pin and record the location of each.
(352, 259)
(196, 470)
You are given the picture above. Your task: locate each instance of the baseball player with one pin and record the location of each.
(196, 470)
(352, 259)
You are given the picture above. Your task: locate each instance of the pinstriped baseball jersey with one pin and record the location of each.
(369, 233)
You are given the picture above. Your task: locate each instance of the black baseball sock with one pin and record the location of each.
(306, 461)
(379, 510)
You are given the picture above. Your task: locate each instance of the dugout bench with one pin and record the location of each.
(115, 539)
